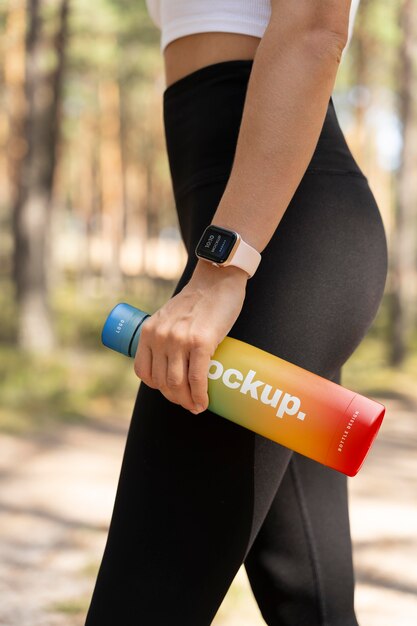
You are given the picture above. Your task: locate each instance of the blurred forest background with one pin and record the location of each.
(86, 207)
(87, 214)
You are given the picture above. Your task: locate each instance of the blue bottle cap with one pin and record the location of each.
(121, 327)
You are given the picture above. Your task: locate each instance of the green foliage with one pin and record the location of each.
(83, 379)
(70, 386)
(113, 39)
(75, 606)
(382, 22)
(377, 23)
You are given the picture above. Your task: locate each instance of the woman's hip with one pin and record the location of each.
(323, 271)
(322, 275)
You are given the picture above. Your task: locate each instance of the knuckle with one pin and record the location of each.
(195, 378)
(157, 382)
(177, 336)
(174, 381)
(160, 334)
(199, 340)
(147, 380)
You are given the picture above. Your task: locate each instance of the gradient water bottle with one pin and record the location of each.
(273, 397)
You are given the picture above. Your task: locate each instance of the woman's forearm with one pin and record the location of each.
(288, 92)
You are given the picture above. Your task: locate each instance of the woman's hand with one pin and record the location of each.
(177, 341)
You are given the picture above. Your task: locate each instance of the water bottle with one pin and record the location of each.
(273, 397)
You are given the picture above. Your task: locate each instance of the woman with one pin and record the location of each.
(254, 146)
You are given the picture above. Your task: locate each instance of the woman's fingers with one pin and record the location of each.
(175, 364)
(198, 367)
(186, 378)
(159, 368)
(177, 388)
(143, 360)
(176, 374)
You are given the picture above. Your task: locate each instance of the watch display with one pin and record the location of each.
(216, 244)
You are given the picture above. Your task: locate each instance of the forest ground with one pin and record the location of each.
(57, 491)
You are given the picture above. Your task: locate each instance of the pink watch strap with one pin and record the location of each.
(246, 257)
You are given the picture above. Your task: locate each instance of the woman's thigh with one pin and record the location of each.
(300, 565)
(194, 491)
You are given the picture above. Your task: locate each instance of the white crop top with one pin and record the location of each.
(176, 18)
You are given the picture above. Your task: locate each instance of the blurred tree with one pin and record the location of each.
(14, 78)
(112, 186)
(382, 82)
(112, 176)
(403, 258)
(362, 45)
(105, 161)
(44, 63)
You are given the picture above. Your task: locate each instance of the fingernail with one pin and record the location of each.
(198, 409)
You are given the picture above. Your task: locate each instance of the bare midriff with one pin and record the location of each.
(191, 52)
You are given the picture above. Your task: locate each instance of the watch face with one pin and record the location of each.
(216, 244)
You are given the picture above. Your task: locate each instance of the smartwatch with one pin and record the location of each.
(223, 247)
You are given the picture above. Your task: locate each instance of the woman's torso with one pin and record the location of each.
(196, 33)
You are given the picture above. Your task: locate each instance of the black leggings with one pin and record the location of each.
(200, 495)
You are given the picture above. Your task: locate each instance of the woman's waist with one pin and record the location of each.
(202, 116)
(186, 54)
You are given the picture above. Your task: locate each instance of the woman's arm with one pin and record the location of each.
(289, 88)
(288, 92)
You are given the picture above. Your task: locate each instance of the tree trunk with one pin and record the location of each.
(112, 191)
(31, 215)
(403, 249)
(360, 53)
(14, 79)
